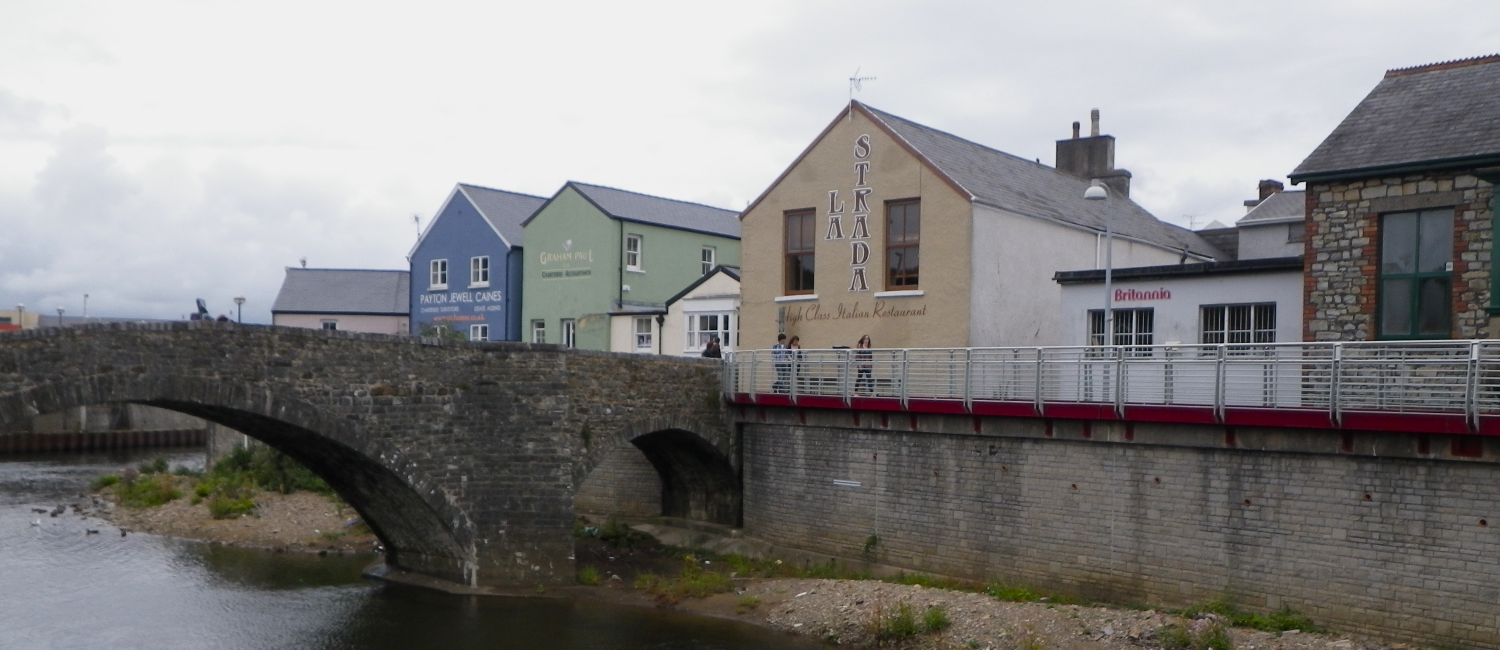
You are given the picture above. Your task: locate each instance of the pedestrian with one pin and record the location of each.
(794, 347)
(713, 351)
(782, 355)
(863, 358)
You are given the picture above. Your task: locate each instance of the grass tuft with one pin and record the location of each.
(588, 575)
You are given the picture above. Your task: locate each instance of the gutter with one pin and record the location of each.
(1399, 168)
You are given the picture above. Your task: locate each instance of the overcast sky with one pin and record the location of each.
(156, 152)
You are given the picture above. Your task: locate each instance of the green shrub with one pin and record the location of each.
(588, 575)
(1281, 621)
(620, 535)
(149, 492)
(896, 625)
(935, 619)
(225, 507)
(157, 466)
(183, 470)
(1201, 635)
(105, 481)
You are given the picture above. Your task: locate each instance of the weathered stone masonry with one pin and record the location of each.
(1396, 537)
(463, 457)
(1343, 256)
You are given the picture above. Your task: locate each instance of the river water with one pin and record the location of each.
(61, 587)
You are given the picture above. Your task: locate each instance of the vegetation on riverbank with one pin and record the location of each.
(672, 575)
(228, 487)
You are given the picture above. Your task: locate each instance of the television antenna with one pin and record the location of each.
(856, 82)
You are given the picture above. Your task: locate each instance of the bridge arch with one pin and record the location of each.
(696, 462)
(420, 529)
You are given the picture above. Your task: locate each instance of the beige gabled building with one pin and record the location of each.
(919, 238)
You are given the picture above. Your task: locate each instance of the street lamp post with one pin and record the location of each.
(1097, 192)
(239, 306)
(20, 315)
(59, 316)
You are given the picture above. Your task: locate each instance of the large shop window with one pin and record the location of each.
(569, 333)
(800, 258)
(1416, 274)
(903, 233)
(632, 252)
(701, 327)
(439, 275)
(1133, 328)
(479, 332)
(1239, 323)
(479, 271)
(538, 331)
(643, 334)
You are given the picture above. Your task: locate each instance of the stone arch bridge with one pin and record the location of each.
(463, 457)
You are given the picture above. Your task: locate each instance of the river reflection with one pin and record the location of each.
(61, 587)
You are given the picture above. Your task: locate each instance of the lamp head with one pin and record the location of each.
(1096, 192)
(239, 300)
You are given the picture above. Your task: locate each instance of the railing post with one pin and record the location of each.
(968, 380)
(905, 377)
(1220, 399)
(848, 389)
(1119, 388)
(1335, 372)
(1037, 397)
(1471, 389)
(754, 359)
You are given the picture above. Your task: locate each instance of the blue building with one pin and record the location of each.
(466, 267)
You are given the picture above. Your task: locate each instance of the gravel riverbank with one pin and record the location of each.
(844, 612)
(300, 521)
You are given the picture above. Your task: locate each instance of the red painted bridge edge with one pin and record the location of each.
(1407, 422)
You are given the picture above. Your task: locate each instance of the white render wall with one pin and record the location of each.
(1014, 301)
(350, 323)
(1268, 240)
(720, 293)
(622, 334)
(1177, 318)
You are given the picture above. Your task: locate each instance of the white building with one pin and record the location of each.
(353, 300)
(1256, 298)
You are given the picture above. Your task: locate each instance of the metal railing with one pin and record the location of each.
(1457, 378)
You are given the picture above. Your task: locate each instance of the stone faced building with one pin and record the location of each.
(920, 238)
(1400, 209)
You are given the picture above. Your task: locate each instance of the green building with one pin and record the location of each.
(601, 264)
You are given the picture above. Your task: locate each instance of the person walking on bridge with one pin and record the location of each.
(782, 355)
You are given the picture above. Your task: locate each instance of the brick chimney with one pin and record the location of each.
(1267, 188)
(1093, 158)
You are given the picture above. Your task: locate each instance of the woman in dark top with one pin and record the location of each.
(865, 385)
(713, 351)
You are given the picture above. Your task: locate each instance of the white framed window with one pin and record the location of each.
(702, 327)
(632, 252)
(708, 259)
(479, 332)
(643, 334)
(538, 331)
(479, 271)
(439, 275)
(1133, 327)
(330, 324)
(569, 333)
(1238, 323)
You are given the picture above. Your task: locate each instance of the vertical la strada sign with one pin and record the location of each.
(859, 230)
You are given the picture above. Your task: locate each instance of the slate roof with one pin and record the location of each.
(1021, 186)
(1281, 207)
(657, 211)
(505, 211)
(344, 291)
(1415, 115)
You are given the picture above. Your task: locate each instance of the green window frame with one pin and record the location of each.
(1416, 275)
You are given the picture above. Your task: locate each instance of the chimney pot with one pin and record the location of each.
(1094, 117)
(1075, 130)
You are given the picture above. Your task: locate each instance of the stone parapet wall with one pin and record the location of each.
(1390, 537)
(1343, 256)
